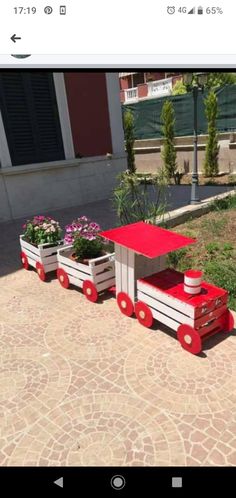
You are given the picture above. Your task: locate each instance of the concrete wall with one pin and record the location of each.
(148, 154)
(29, 190)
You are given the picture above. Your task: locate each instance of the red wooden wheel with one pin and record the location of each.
(229, 321)
(63, 278)
(40, 271)
(189, 339)
(125, 304)
(143, 314)
(24, 260)
(90, 291)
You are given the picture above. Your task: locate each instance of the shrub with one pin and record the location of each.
(179, 88)
(211, 166)
(135, 200)
(129, 140)
(169, 152)
(42, 230)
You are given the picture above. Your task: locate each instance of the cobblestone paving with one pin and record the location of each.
(81, 384)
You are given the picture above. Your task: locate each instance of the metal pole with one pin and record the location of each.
(194, 189)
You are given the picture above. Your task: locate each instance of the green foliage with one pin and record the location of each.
(211, 166)
(85, 248)
(223, 204)
(214, 226)
(132, 199)
(222, 274)
(175, 258)
(212, 247)
(220, 79)
(129, 140)
(42, 230)
(179, 88)
(169, 152)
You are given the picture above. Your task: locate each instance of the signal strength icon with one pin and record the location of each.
(192, 11)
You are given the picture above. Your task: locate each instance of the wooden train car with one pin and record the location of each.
(194, 309)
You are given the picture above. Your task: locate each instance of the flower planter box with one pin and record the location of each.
(94, 277)
(42, 257)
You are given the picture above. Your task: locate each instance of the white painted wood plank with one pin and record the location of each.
(32, 262)
(30, 247)
(105, 285)
(118, 267)
(48, 251)
(75, 281)
(101, 267)
(106, 275)
(124, 269)
(131, 277)
(75, 272)
(31, 255)
(93, 261)
(165, 320)
(73, 264)
(163, 308)
(50, 267)
(164, 298)
(46, 260)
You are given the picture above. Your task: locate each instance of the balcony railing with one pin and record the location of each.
(131, 94)
(160, 88)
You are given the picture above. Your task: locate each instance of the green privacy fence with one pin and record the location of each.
(147, 114)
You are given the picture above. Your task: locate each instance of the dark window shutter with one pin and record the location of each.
(30, 115)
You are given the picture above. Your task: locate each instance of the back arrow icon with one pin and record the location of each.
(14, 38)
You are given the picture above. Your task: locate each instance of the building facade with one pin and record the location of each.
(61, 140)
(138, 86)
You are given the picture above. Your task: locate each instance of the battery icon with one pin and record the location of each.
(62, 10)
(200, 10)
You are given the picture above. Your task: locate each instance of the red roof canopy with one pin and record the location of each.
(149, 240)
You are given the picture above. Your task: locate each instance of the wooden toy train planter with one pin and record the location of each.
(94, 277)
(137, 273)
(42, 257)
(194, 309)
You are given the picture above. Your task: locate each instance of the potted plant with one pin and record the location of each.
(39, 243)
(87, 261)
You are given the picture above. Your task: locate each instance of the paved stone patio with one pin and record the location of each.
(81, 384)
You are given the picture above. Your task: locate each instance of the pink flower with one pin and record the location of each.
(24, 226)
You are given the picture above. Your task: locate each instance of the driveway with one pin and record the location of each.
(81, 384)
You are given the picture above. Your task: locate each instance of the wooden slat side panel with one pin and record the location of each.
(103, 266)
(30, 247)
(75, 272)
(75, 281)
(124, 269)
(32, 262)
(118, 267)
(165, 320)
(166, 310)
(105, 285)
(50, 267)
(49, 251)
(131, 276)
(73, 264)
(31, 256)
(49, 259)
(186, 309)
(210, 316)
(102, 277)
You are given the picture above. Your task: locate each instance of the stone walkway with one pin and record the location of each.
(81, 384)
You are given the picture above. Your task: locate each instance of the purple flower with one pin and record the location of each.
(94, 226)
(69, 229)
(68, 239)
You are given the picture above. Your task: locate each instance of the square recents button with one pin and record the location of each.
(177, 482)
